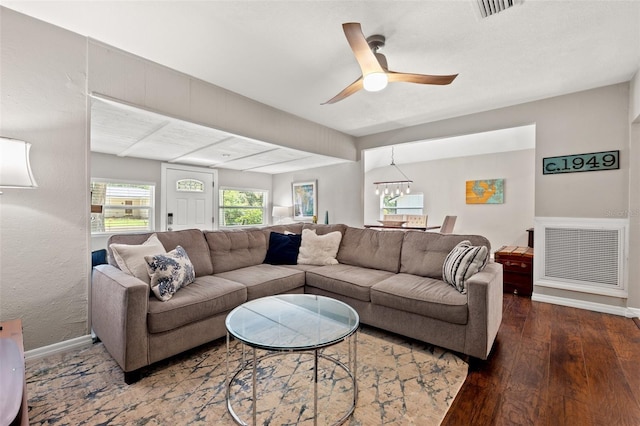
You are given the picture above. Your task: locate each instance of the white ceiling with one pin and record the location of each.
(122, 130)
(293, 55)
(503, 140)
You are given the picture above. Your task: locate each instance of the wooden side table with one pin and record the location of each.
(517, 263)
(13, 330)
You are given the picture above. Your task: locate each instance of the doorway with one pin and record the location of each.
(188, 198)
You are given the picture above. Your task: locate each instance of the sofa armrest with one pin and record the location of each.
(484, 293)
(119, 305)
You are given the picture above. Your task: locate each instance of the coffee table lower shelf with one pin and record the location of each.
(292, 324)
(350, 369)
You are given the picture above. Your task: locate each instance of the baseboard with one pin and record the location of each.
(589, 306)
(65, 346)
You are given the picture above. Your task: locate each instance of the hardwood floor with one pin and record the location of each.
(553, 365)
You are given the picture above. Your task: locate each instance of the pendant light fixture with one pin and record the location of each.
(397, 187)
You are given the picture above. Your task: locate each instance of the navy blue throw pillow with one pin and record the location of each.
(98, 257)
(283, 249)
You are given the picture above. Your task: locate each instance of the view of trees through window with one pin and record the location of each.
(242, 207)
(126, 207)
(406, 204)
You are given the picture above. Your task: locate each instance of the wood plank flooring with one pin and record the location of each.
(553, 365)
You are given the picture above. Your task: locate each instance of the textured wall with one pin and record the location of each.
(44, 256)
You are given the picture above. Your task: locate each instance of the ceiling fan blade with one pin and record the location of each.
(420, 78)
(347, 91)
(365, 57)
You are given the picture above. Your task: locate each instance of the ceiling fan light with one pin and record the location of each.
(375, 81)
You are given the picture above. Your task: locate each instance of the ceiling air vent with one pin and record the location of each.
(491, 7)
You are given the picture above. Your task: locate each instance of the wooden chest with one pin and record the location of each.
(517, 263)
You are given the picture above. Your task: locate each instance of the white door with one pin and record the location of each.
(188, 198)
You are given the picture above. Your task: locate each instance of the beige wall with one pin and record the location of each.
(443, 184)
(634, 196)
(593, 120)
(339, 191)
(44, 243)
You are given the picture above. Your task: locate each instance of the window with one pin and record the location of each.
(240, 207)
(406, 204)
(126, 207)
(190, 185)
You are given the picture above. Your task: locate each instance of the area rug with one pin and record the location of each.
(400, 382)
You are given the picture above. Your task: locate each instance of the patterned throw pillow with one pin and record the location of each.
(319, 249)
(462, 262)
(169, 272)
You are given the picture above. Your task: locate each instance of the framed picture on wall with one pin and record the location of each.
(486, 191)
(305, 200)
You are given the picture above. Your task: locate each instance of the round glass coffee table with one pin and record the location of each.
(289, 323)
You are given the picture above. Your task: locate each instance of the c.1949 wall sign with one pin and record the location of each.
(606, 160)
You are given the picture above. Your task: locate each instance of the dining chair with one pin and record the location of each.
(447, 224)
(416, 221)
(398, 217)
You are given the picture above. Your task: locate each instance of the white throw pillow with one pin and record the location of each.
(462, 262)
(130, 258)
(319, 249)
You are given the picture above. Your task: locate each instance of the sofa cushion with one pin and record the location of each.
(423, 253)
(169, 272)
(234, 249)
(194, 243)
(462, 262)
(130, 258)
(319, 249)
(283, 249)
(420, 295)
(322, 229)
(294, 228)
(371, 248)
(192, 240)
(204, 298)
(347, 280)
(266, 280)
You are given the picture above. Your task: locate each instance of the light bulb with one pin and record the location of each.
(408, 189)
(397, 190)
(377, 190)
(386, 189)
(375, 81)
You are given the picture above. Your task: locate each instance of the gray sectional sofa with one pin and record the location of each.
(392, 278)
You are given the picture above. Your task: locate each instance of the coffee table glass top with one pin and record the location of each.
(292, 322)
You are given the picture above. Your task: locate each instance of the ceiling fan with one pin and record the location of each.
(375, 73)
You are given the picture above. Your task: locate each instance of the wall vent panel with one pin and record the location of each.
(586, 255)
